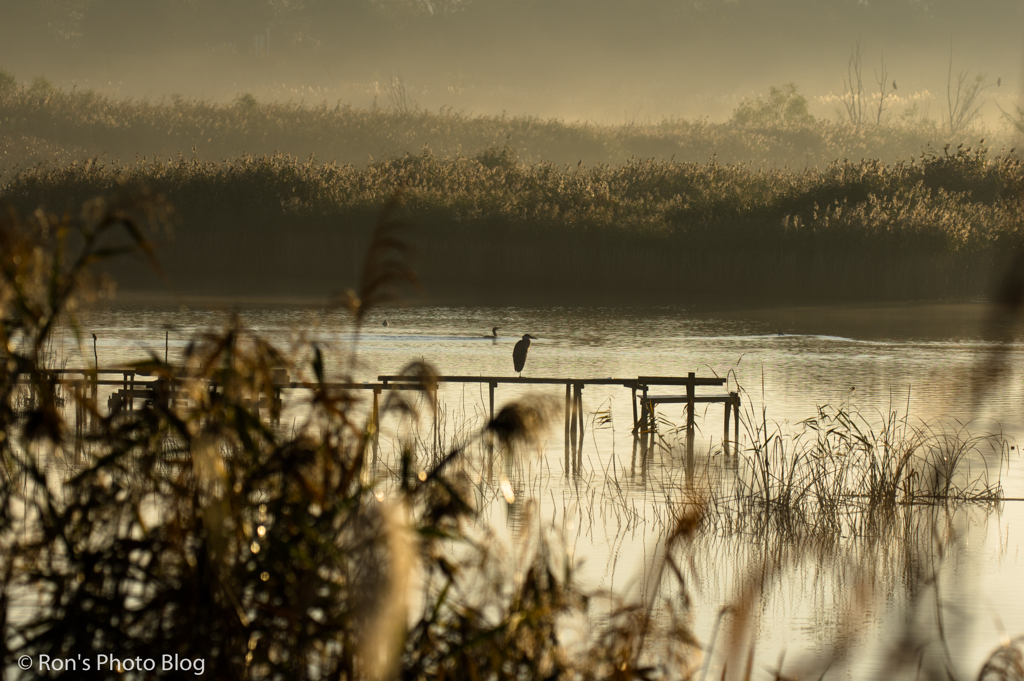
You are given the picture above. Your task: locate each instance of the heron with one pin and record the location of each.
(519, 353)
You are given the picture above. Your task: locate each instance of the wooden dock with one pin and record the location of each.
(644, 402)
(130, 385)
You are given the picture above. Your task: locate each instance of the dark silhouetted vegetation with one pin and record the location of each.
(493, 229)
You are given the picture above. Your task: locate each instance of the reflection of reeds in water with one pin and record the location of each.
(201, 530)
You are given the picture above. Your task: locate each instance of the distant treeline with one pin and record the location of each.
(491, 229)
(39, 123)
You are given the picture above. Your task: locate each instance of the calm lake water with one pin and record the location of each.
(921, 359)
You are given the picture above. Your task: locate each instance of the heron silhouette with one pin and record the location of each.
(519, 353)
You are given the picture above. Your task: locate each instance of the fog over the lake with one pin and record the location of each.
(608, 61)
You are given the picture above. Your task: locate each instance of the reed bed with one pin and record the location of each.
(492, 229)
(841, 473)
(79, 124)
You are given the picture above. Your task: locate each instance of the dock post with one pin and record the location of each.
(652, 421)
(633, 390)
(725, 435)
(80, 417)
(376, 411)
(77, 391)
(568, 411)
(645, 412)
(690, 389)
(736, 422)
(579, 411)
(645, 434)
(375, 420)
(95, 381)
(438, 454)
(79, 440)
(572, 428)
(131, 391)
(640, 429)
(491, 386)
(489, 437)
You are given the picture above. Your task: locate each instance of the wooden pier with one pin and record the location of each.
(644, 423)
(130, 385)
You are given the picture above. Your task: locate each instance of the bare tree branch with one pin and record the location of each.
(884, 92)
(965, 105)
(853, 86)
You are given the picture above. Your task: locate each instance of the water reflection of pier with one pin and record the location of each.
(130, 385)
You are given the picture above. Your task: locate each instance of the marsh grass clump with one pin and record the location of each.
(840, 470)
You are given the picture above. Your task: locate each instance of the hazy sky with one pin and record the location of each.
(604, 60)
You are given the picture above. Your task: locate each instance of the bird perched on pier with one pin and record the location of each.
(519, 352)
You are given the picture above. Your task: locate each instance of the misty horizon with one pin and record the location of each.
(604, 62)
